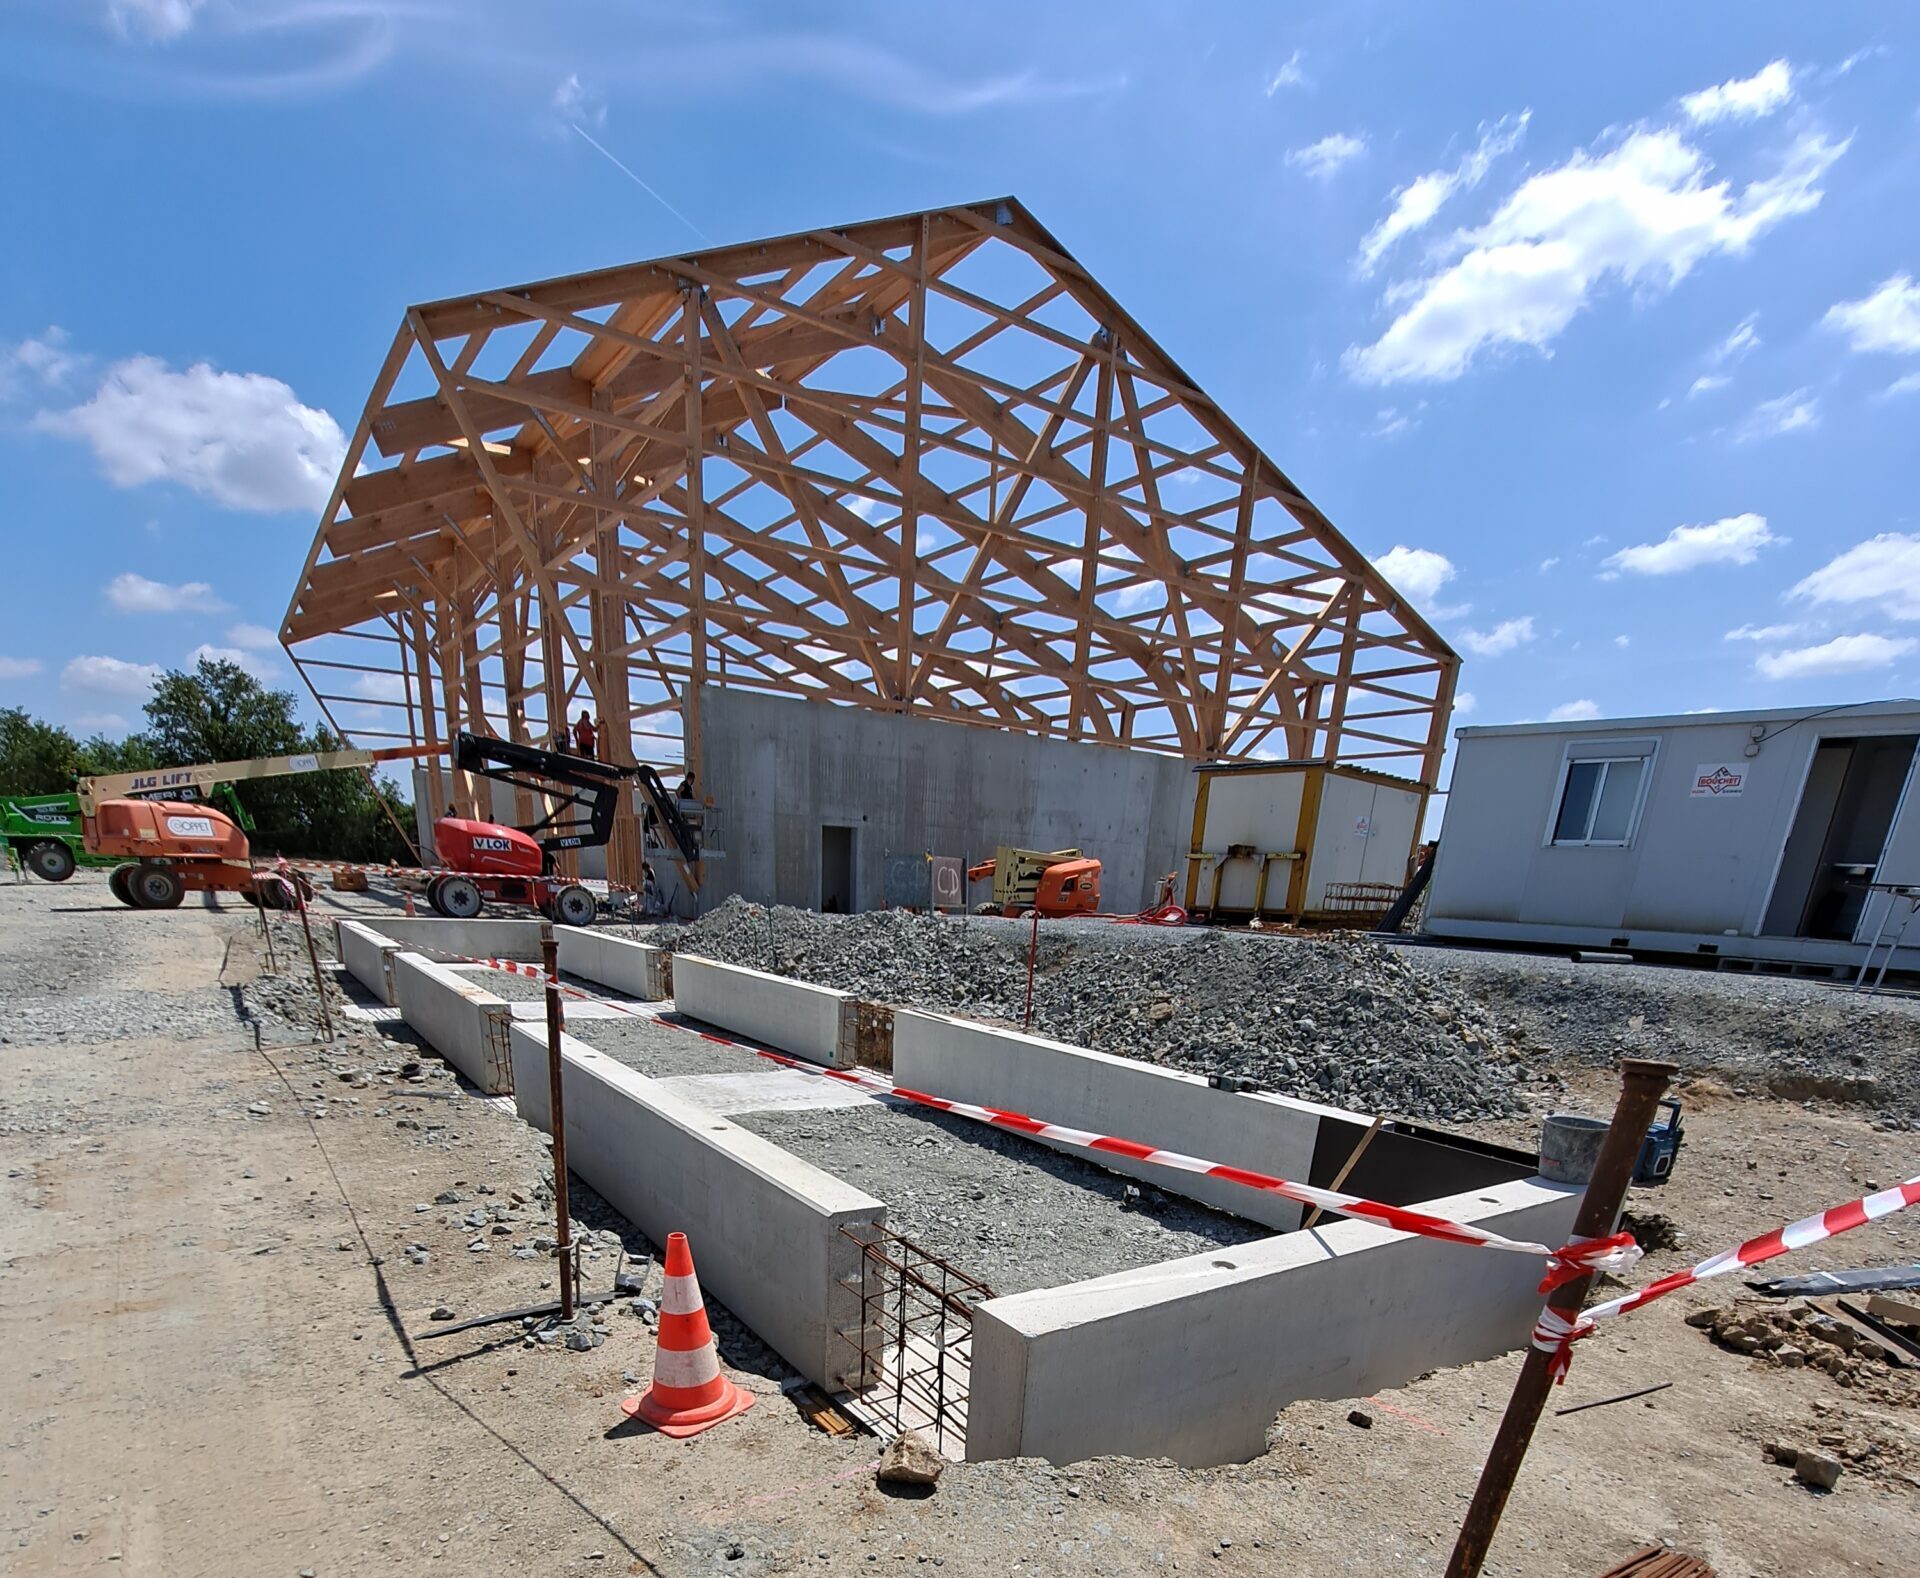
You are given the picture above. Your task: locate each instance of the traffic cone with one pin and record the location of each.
(409, 898)
(688, 1394)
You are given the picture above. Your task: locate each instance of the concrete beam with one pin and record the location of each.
(966, 1061)
(764, 1225)
(368, 956)
(462, 1021)
(1191, 1359)
(477, 939)
(635, 969)
(817, 1023)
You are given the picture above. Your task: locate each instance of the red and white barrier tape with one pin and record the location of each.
(1556, 1335)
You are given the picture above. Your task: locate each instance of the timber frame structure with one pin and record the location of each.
(924, 465)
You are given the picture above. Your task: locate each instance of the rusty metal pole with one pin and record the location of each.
(313, 955)
(556, 1025)
(1642, 1084)
(1033, 947)
(266, 931)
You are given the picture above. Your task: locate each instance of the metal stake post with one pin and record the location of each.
(313, 956)
(266, 931)
(1642, 1084)
(1033, 947)
(556, 1025)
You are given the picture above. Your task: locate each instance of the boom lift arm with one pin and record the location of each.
(159, 782)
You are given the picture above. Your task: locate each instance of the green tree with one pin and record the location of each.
(35, 757)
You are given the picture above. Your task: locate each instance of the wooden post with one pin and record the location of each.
(1642, 1084)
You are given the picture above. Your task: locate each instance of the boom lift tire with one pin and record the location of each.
(117, 883)
(457, 897)
(156, 887)
(50, 860)
(574, 906)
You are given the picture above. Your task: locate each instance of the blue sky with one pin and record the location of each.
(1600, 332)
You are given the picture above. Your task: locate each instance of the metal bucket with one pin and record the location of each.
(1569, 1146)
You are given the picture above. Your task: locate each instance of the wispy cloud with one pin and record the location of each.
(19, 667)
(156, 21)
(578, 105)
(1741, 98)
(1323, 160)
(1798, 412)
(1290, 75)
(624, 170)
(110, 676)
(1574, 711)
(1842, 655)
(1886, 320)
(1416, 203)
(1736, 539)
(135, 594)
(1503, 637)
(1882, 572)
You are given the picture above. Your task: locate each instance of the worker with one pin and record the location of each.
(685, 791)
(649, 890)
(583, 736)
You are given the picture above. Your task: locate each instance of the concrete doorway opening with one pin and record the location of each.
(836, 869)
(1852, 792)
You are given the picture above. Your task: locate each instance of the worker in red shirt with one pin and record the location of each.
(583, 736)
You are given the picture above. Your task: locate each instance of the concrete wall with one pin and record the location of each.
(635, 968)
(463, 1022)
(812, 1022)
(1696, 868)
(779, 769)
(1191, 1359)
(764, 1226)
(477, 939)
(368, 956)
(965, 1061)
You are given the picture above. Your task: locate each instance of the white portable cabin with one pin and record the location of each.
(1783, 836)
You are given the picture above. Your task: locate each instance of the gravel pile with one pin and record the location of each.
(1339, 1020)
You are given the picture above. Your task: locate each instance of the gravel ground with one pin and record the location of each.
(1337, 1020)
(660, 1051)
(1003, 1209)
(1795, 1039)
(511, 988)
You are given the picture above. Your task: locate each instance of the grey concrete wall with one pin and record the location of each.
(811, 1022)
(368, 956)
(466, 1024)
(1191, 1359)
(779, 769)
(966, 1061)
(1696, 868)
(635, 968)
(764, 1226)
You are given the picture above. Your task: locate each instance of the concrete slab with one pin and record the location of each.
(777, 1090)
(460, 1020)
(963, 1060)
(1191, 1359)
(812, 1022)
(764, 1226)
(633, 969)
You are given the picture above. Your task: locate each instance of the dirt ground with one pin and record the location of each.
(216, 1361)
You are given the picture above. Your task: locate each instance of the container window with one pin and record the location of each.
(1599, 800)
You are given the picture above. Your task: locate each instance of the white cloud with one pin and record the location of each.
(575, 104)
(1883, 571)
(241, 439)
(1288, 76)
(381, 687)
(1738, 343)
(1907, 385)
(43, 359)
(100, 723)
(1418, 572)
(19, 667)
(255, 638)
(1322, 160)
(157, 20)
(1841, 655)
(1623, 642)
(1737, 539)
(110, 676)
(1706, 383)
(1641, 214)
(1465, 702)
(1888, 320)
(1503, 637)
(1763, 633)
(252, 662)
(1798, 412)
(1416, 203)
(135, 594)
(1573, 711)
(1742, 98)
(1548, 564)
(1392, 422)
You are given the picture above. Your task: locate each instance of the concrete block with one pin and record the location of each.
(476, 939)
(966, 1061)
(817, 1023)
(764, 1225)
(462, 1021)
(1191, 1359)
(368, 955)
(630, 968)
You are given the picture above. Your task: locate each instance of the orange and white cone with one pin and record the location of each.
(409, 899)
(688, 1394)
